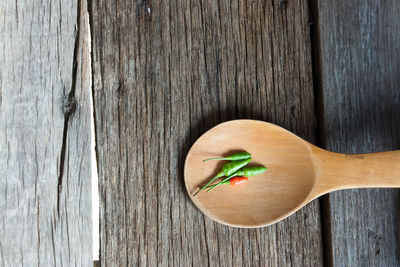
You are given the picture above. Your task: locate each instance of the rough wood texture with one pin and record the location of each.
(360, 51)
(44, 134)
(164, 73)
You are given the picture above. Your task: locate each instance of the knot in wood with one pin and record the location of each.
(69, 105)
(140, 3)
(282, 3)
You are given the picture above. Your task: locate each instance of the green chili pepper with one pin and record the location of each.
(251, 171)
(246, 171)
(227, 170)
(232, 167)
(234, 156)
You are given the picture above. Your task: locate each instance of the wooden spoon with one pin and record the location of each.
(298, 172)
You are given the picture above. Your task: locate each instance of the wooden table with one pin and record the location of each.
(162, 73)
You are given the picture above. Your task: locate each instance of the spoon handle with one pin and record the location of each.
(343, 171)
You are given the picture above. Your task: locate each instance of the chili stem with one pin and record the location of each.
(221, 182)
(212, 159)
(220, 174)
(211, 185)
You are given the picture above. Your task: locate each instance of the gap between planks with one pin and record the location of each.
(93, 158)
(320, 134)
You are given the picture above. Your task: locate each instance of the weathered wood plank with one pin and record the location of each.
(45, 134)
(165, 72)
(360, 51)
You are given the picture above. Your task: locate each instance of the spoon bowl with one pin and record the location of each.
(298, 172)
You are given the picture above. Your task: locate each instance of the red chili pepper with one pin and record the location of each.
(238, 180)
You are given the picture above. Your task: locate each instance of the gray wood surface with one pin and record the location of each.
(360, 52)
(44, 134)
(164, 73)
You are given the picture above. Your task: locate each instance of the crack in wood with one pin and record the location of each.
(69, 105)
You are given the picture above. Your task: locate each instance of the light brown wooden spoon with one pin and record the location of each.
(298, 172)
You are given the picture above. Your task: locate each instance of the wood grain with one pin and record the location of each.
(266, 198)
(44, 134)
(164, 73)
(360, 48)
